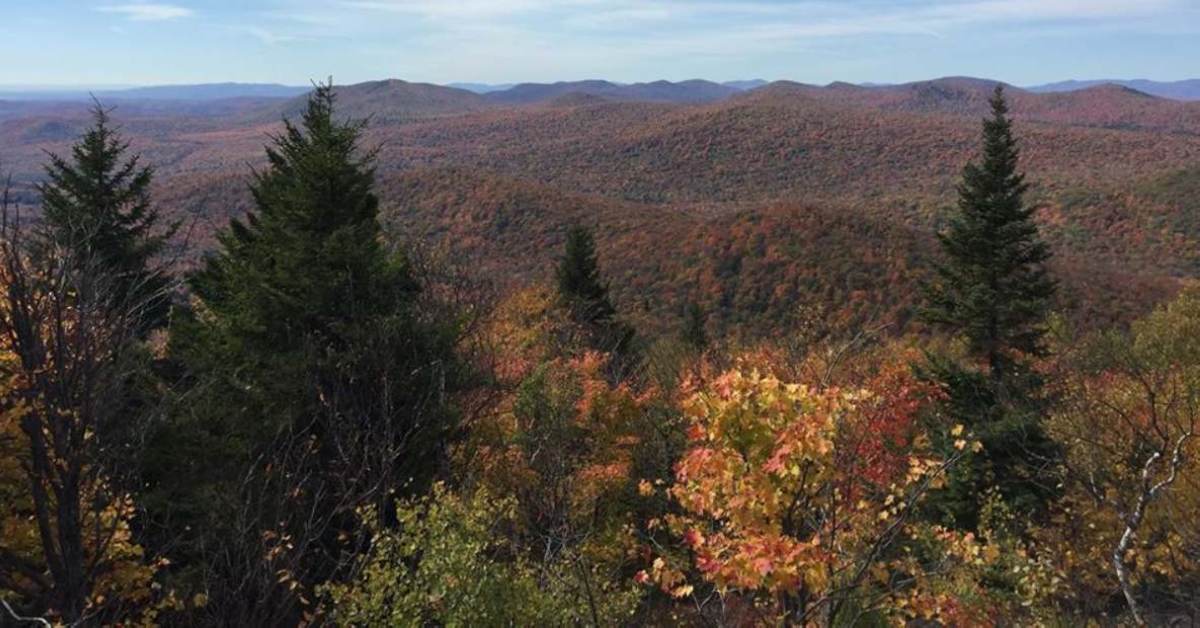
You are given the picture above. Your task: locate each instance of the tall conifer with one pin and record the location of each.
(98, 200)
(993, 287)
(994, 291)
(582, 289)
(315, 367)
(579, 282)
(300, 290)
(308, 262)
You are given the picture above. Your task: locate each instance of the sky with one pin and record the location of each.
(134, 42)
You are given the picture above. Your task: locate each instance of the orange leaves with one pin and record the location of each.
(761, 450)
(758, 418)
(772, 562)
(787, 491)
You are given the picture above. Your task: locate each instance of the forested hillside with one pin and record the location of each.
(606, 355)
(1111, 171)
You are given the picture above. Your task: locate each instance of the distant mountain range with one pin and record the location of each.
(388, 101)
(587, 87)
(745, 201)
(1175, 90)
(190, 93)
(482, 88)
(692, 91)
(659, 91)
(394, 101)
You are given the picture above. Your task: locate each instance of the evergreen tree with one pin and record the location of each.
(584, 293)
(308, 262)
(994, 290)
(579, 283)
(99, 201)
(304, 286)
(306, 329)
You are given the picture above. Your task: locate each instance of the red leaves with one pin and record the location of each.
(763, 566)
(777, 472)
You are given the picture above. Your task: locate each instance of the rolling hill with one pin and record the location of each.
(753, 269)
(389, 101)
(695, 91)
(752, 203)
(178, 93)
(1105, 106)
(1178, 90)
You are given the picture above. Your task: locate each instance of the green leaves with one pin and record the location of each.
(450, 562)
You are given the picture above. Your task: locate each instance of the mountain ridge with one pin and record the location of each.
(1186, 90)
(693, 90)
(737, 203)
(197, 92)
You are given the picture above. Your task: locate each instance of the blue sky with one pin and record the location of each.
(134, 42)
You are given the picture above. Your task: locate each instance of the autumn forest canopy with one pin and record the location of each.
(598, 355)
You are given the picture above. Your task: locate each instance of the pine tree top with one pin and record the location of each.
(97, 202)
(309, 258)
(579, 281)
(993, 286)
(100, 196)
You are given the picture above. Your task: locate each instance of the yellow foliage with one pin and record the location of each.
(1129, 404)
(122, 584)
(803, 498)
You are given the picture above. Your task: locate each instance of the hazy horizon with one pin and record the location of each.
(68, 87)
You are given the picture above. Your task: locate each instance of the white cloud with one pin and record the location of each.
(539, 39)
(143, 12)
(267, 37)
(696, 26)
(1058, 9)
(879, 14)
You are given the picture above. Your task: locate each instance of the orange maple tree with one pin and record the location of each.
(801, 498)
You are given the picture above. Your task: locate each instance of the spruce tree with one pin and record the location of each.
(98, 202)
(579, 282)
(308, 262)
(994, 291)
(307, 329)
(583, 292)
(994, 288)
(299, 286)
